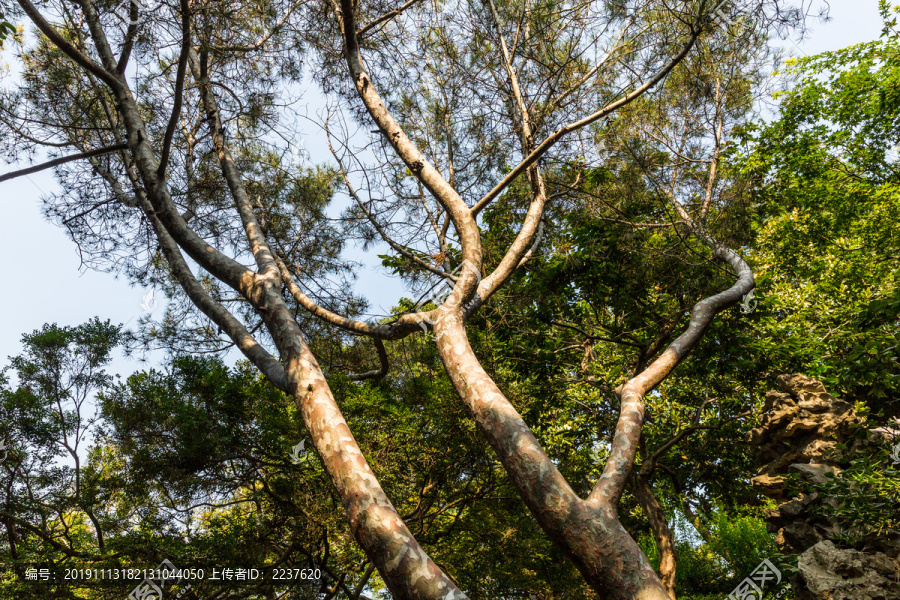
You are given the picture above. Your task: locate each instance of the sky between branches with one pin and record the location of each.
(42, 260)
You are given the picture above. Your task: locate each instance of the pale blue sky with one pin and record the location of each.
(43, 282)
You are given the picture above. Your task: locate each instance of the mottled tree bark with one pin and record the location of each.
(407, 570)
(662, 533)
(403, 564)
(589, 532)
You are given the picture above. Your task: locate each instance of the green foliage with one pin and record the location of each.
(6, 29)
(743, 542)
(191, 461)
(46, 420)
(701, 571)
(826, 250)
(736, 544)
(863, 499)
(56, 374)
(829, 199)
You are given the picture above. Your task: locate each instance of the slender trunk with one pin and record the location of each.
(12, 539)
(662, 534)
(407, 570)
(405, 567)
(698, 524)
(589, 532)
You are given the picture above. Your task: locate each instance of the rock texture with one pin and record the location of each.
(799, 434)
(827, 572)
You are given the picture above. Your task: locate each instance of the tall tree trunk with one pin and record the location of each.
(662, 534)
(404, 565)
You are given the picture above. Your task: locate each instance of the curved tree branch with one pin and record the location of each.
(179, 88)
(405, 325)
(379, 372)
(424, 171)
(383, 18)
(557, 135)
(628, 429)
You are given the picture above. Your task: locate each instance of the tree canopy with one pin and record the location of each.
(611, 252)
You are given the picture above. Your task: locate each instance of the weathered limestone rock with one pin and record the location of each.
(799, 435)
(826, 572)
(814, 473)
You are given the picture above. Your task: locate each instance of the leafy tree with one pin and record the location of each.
(826, 246)
(193, 463)
(469, 102)
(620, 271)
(53, 501)
(828, 194)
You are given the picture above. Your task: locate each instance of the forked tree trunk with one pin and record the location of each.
(588, 531)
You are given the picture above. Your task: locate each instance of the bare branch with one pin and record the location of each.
(404, 326)
(179, 88)
(557, 135)
(390, 241)
(259, 246)
(246, 343)
(63, 160)
(385, 17)
(130, 33)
